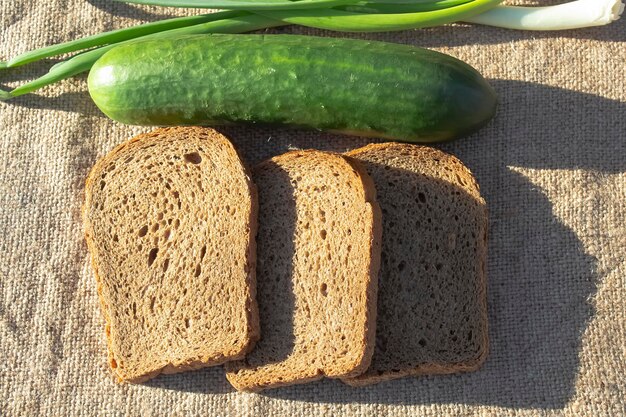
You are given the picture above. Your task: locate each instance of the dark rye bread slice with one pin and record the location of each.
(318, 259)
(432, 308)
(170, 218)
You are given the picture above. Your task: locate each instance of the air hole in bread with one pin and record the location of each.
(193, 158)
(422, 197)
(198, 271)
(166, 264)
(324, 289)
(142, 232)
(422, 342)
(102, 184)
(323, 234)
(152, 256)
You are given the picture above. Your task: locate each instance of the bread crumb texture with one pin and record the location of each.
(432, 312)
(318, 258)
(170, 218)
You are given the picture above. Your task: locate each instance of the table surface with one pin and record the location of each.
(551, 166)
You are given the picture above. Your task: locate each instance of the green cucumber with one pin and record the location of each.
(350, 86)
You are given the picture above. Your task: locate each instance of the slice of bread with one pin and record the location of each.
(432, 308)
(318, 259)
(170, 218)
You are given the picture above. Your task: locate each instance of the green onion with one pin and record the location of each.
(82, 62)
(249, 5)
(343, 21)
(572, 15)
(114, 37)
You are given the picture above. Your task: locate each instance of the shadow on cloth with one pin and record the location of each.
(202, 381)
(66, 102)
(120, 9)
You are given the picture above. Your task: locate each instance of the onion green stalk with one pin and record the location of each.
(343, 21)
(114, 36)
(572, 15)
(83, 62)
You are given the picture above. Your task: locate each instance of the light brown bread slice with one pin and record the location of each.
(432, 312)
(318, 259)
(170, 219)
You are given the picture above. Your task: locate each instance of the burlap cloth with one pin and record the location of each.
(551, 167)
